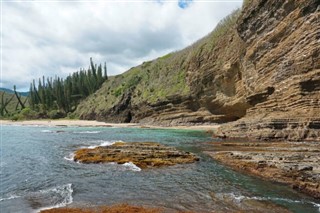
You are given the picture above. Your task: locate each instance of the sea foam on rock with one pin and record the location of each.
(141, 154)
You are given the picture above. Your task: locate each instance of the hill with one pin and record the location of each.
(136, 95)
(9, 91)
(259, 69)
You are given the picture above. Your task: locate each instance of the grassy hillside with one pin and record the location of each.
(150, 82)
(157, 80)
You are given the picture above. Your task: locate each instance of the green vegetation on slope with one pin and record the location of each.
(149, 82)
(156, 80)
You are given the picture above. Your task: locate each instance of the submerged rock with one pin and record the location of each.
(142, 154)
(102, 209)
(295, 164)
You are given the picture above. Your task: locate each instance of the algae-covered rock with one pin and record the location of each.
(142, 154)
(292, 163)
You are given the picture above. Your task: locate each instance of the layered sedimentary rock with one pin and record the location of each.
(142, 154)
(259, 68)
(281, 71)
(293, 163)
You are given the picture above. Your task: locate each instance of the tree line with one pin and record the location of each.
(65, 94)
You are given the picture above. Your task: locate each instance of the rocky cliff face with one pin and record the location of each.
(260, 69)
(280, 71)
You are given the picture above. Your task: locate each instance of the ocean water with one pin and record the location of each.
(37, 172)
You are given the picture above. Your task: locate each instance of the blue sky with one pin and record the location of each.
(184, 3)
(58, 37)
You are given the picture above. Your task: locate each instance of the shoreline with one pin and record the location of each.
(92, 123)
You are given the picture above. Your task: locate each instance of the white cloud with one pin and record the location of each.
(56, 38)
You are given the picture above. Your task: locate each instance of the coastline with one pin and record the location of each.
(92, 123)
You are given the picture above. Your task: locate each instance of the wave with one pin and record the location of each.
(276, 199)
(51, 131)
(317, 205)
(70, 157)
(102, 143)
(243, 197)
(8, 198)
(88, 132)
(57, 197)
(239, 198)
(132, 166)
(46, 131)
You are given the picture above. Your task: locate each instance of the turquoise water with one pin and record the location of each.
(37, 172)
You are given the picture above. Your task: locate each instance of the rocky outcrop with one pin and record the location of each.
(281, 70)
(228, 204)
(259, 68)
(295, 164)
(117, 208)
(142, 154)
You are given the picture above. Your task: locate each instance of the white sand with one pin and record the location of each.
(62, 122)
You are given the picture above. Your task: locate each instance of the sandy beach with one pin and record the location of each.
(65, 122)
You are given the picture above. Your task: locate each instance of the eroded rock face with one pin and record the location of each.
(263, 72)
(296, 164)
(142, 154)
(281, 71)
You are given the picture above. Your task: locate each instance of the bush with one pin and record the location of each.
(24, 114)
(55, 114)
(27, 113)
(118, 91)
(72, 115)
(16, 117)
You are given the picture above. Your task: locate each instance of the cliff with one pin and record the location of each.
(258, 72)
(280, 71)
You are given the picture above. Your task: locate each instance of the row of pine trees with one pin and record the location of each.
(65, 94)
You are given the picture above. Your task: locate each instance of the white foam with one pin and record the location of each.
(70, 157)
(64, 191)
(46, 131)
(316, 205)
(102, 143)
(132, 166)
(239, 198)
(8, 198)
(89, 132)
(276, 199)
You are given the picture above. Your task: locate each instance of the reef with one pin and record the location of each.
(294, 163)
(142, 154)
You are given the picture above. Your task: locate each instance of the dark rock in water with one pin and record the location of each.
(142, 154)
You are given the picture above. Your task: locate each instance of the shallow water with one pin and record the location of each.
(37, 172)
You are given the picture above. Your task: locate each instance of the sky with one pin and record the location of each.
(57, 37)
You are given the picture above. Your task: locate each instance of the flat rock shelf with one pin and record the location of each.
(293, 163)
(142, 154)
